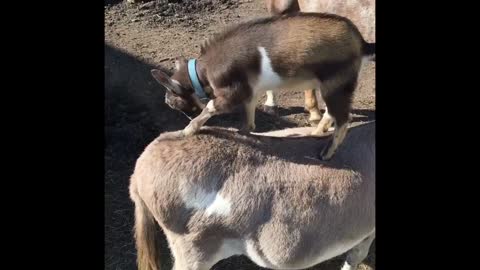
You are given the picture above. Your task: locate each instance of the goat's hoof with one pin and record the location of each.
(327, 153)
(313, 123)
(325, 157)
(272, 110)
(189, 131)
(318, 132)
(243, 132)
(314, 118)
(246, 130)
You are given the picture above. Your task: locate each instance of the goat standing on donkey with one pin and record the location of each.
(293, 51)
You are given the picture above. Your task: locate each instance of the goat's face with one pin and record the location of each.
(180, 94)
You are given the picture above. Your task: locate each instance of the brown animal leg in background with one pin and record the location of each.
(311, 105)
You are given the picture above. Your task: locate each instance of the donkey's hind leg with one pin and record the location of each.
(201, 252)
(358, 253)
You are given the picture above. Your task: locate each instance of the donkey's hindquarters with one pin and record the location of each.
(220, 193)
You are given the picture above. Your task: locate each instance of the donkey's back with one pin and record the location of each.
(220, 194)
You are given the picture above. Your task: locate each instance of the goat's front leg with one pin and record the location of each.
(270, 105)
(197, 122)
(250, 116)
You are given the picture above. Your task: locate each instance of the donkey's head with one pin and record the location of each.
(180, 93)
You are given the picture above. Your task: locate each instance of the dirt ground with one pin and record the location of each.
(152, 34)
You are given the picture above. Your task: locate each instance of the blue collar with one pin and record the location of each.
(192, 73)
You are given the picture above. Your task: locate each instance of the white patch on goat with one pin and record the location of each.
(270, 99)
(347, 266)
(253, 254)
(211, 107)
(267, 79)
(211, 202)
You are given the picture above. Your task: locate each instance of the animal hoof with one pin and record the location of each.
(317, 132)
(326, 153)
(189, 131)
(315, 117)
(272, 110)
(313, 123)
(324, 157)
(246, 130)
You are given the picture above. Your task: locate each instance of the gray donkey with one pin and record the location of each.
(221, 193)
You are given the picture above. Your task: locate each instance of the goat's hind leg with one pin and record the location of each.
(338, 97)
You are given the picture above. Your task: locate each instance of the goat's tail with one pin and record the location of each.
(147, 235)
(369, 51)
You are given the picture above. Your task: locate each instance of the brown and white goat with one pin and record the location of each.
(361, 12)
(304, 50)
(221, 193)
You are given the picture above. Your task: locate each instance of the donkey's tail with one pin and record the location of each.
(147, 235)
(369, 51)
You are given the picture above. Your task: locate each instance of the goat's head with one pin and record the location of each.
(180, 94)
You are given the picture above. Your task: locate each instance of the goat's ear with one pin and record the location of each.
(180, 62)
(162, 78)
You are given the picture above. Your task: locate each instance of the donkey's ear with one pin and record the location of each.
(180, 62)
